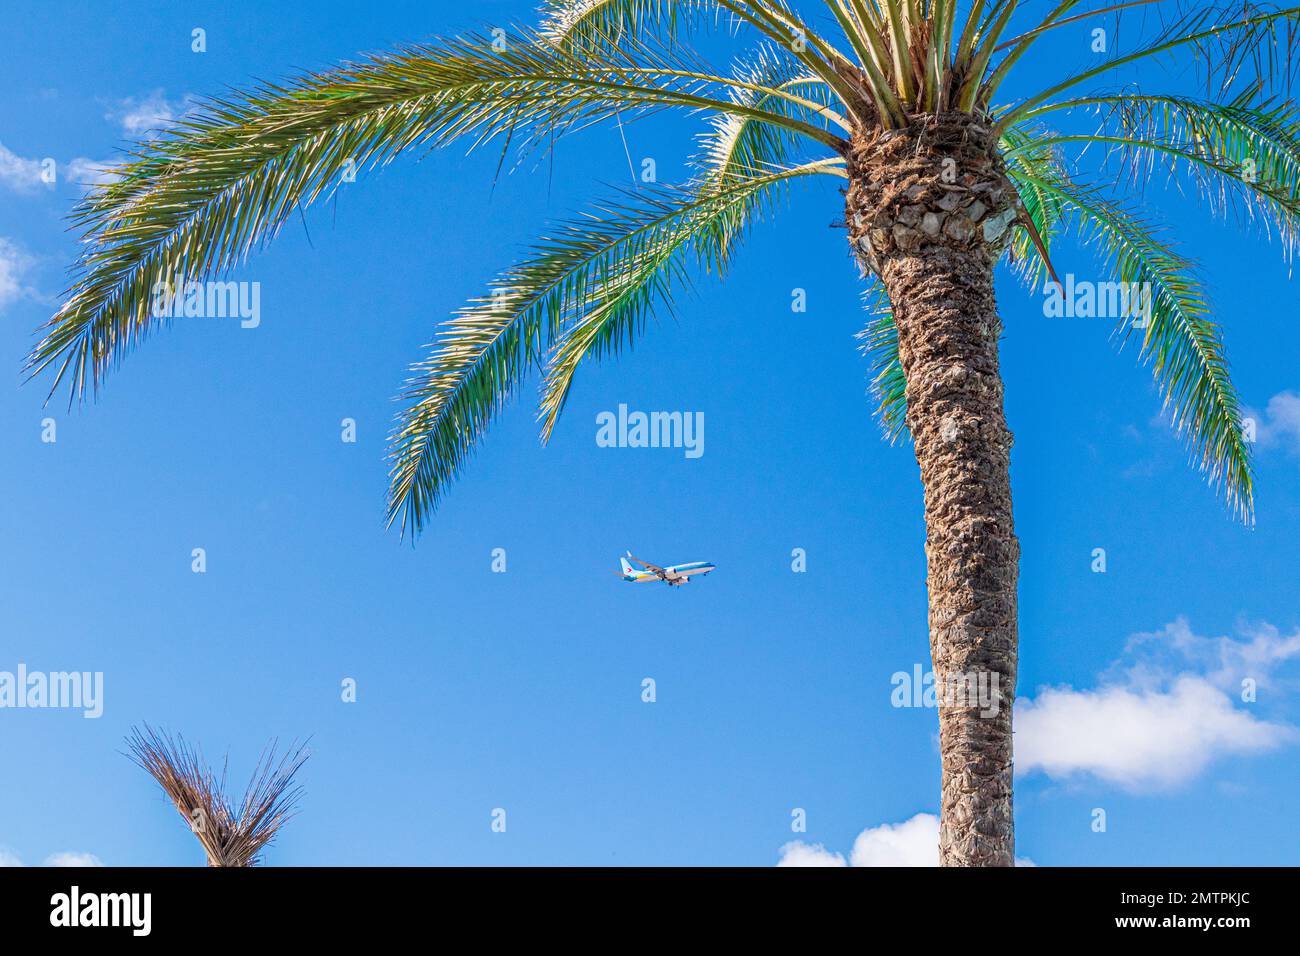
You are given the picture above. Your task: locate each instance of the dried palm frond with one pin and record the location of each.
(230, 834)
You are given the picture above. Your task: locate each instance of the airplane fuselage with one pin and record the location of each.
(674, 575)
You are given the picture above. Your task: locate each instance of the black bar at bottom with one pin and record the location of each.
(328, 905)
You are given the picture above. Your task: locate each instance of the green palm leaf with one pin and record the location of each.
(1225, 43)
(608, 23)
(741, 144)
(593, 284)
(1180, 339)
(196, 202)
(1245, 152)
(888, 382)
(1030, 157)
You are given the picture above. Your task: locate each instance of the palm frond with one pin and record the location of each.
(612, 264)
(629, 293)
(879, 342)
(608, 23)
(1224, 42)
(196, 202)
(231, 834)
(1243, 153)
(1030, 156)
(738, 145)
(778, 22)
(974, 83)
(1180, 339)
(1055, 21)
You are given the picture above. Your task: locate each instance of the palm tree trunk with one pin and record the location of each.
(929, 209)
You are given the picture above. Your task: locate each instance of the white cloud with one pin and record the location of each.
(1224, 661)
(1279, 423)
(1161, 713)
(69, 858)
(146, 116)
(913, 842)
(14, 266)
(141, 118)
(1138, 739)
(91, 172)
(18, 173)
(798, 853)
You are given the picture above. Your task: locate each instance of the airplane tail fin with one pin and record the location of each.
(627, 568)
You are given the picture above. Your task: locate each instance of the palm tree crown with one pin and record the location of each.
(196, 201)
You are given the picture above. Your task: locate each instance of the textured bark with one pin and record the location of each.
(929, 209)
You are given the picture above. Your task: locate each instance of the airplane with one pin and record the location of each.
(674, 576)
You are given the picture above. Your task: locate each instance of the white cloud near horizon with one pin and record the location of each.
(798, 853)
(913, 842)
(1161, 714)
(65, 859)
(70, 858)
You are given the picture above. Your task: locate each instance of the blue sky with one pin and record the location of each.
(523, 690)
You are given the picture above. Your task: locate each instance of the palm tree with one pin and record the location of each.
(898, 98)
(231, 834)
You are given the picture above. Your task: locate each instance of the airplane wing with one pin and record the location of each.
(646, 564)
